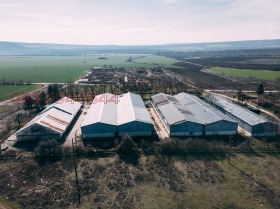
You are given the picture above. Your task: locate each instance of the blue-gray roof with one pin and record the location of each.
(242, 113)
(186, 107)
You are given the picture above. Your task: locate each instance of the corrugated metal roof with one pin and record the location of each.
(56, 120)
(186, 107)
(65, 104)
(242, 113)
(101, 112)
(130, 107)
(56, 116)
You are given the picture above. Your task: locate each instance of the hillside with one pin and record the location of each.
(17, 48)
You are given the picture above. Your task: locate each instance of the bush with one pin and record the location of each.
(127, 146)
(49, 147)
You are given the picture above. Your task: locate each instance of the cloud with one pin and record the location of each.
(145, 22)
(170, 2)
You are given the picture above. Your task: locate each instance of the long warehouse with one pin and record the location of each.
(123, 115)
(187, 115)
(251, 122)
(52, 122)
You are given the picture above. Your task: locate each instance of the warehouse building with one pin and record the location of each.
(187, 115)
(51, 123)
(251, 122)
(124, 115)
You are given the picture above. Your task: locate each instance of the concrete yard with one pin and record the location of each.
(158, 125)
(76, 130)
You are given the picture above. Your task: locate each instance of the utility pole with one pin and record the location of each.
(76, 172)
(229, 151)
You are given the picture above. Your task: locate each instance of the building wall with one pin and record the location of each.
(98, 130)
(37, 133)
(241, 123)
(135, 128)
(221, 128)
(265, 129)
(186, 129)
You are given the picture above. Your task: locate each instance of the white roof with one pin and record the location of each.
(67, 105)
(57, 116)
(129, 107)
(101, 112)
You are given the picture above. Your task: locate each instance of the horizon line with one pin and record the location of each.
(162, 44)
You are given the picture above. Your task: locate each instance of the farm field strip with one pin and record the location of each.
(57, 69)
(157, 60)
(247, 73)
(8, 91)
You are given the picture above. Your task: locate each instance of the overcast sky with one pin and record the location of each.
(142, 22)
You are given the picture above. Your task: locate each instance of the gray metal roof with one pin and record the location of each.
(186, 107)
(57, 116)
(242, 113)
(130, 107)
(65, 104)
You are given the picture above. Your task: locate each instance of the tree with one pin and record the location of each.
(127, 146)
(54, 92)
(212, 99)
(128, 151)
(42, 100)
(86, 91)
(19, 117)
(28, 102)
(260, 89)
(240, 95)
(92, 91)
(47, 147)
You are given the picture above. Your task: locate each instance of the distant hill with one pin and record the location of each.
(37, 49)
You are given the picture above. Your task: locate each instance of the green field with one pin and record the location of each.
(56, 69)
(155, 60)
(245, 73)
(10, 91)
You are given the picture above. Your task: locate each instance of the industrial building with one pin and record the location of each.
(51, 123)
(187, 115)
(126, 114)
(251, 122)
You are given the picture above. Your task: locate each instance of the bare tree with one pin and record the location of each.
(92, 91)
(77, 90)
(19, 117)
(86, 91)
(212, 98)
(240, 95)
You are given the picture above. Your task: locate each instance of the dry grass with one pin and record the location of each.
(155, 182)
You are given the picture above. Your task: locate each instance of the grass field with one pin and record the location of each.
(58, 69)
(155, 60)
(245, 73)
(9, 91)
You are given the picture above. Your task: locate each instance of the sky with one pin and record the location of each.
(142, 22)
